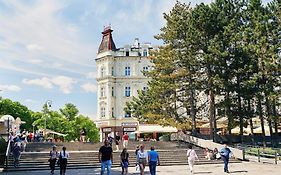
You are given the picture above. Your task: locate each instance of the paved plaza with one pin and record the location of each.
(249, 168)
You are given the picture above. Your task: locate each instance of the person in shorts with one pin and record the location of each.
(142, 159)
(117, 141)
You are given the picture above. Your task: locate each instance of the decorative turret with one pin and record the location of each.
(107, 42)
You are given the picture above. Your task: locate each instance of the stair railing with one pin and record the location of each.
(8, 151)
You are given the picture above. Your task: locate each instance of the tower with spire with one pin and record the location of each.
(120, 74)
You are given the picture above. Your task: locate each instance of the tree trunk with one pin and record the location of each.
(269, 121)
(192, 111)
(262, 121)
(275, 118)
(240, 109)
(251, 120)
(212, 114)
(227, 113)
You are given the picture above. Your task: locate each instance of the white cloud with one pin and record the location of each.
(64, 83)
(91, 75)
(43, 82)
(39, 27)
(34, 47)
(30, 101)
(89, 87)
(10, 88)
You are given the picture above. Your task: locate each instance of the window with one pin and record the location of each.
(102, 92)
(127, 91)
(112, 113)
(102, 112)
(112, 91)
(145, 70)
(102, 72)
(112, 71)
(127, 71)
(145, 53)
(145, 89)
(127, 114)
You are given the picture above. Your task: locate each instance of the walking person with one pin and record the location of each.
(124, 156)
(225, 154)
(117, 141)
(82, 135)
(191, 157)
(64, 155)
(142, 159)
(17, 153)
(53, 158)
(105, 157)
(153, 159)
(125, 140)
(136, 153)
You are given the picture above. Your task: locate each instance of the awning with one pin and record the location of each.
(48, 131)
(155, 128)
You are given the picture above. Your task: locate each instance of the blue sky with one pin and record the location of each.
(48, 47)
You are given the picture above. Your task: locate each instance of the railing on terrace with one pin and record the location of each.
(8, 151)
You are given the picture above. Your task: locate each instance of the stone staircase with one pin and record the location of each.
(86, 155)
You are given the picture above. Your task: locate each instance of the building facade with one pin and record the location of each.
(121, 73)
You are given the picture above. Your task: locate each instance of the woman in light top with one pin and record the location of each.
(142, 159)
(53, 158)
(64, 155)
(191, 156)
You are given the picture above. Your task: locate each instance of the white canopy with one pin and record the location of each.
(155, 128)
(48, 131)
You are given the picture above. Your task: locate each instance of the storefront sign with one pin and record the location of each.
(106, 129)
(101, 123)
(130, 124)
(129, 129)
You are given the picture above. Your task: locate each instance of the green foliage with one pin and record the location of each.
(15, 109)
(69, 111)
(66, 121)
(227, 50)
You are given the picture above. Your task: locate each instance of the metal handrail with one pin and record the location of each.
(8, 151)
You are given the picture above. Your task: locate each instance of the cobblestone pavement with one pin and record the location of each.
(249, 168)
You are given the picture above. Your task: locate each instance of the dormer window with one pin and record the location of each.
(145, 53)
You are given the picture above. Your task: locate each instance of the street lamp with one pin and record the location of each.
(33, 134)
(48, 105)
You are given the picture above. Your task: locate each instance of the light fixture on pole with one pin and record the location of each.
(48, 105)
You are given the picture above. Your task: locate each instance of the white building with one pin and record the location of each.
(120, 76)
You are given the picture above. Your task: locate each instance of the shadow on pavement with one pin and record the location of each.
(202, 172)
(242, 171)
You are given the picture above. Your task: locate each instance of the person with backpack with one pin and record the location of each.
(53, 158)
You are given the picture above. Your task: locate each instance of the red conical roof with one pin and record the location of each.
(107, 42)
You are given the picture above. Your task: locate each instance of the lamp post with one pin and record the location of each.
(48, 105)
(33, 134)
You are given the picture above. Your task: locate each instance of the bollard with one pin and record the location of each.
(259, 158)
(276, 157)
